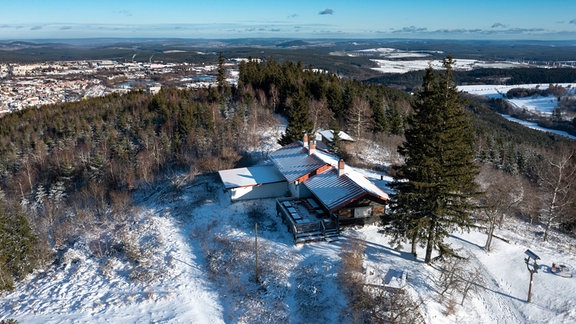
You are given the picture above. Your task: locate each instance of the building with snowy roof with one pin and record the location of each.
(316, 193)
(257, 182)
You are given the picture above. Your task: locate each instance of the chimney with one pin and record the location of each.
(312, 148)
(305, 140)
(341, 167)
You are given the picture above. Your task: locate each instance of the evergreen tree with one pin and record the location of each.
(395, 120)
(336, 144)
(223, 86)
(221, 77)
(18, 254)
(298, 121)
(434, 185)
(381, 123)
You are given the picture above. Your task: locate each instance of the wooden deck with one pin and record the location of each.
(307, 221)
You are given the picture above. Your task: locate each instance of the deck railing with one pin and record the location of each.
(307, 231)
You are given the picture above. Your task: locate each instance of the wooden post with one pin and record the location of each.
(256, 247)
(530, 287)
(532, 271)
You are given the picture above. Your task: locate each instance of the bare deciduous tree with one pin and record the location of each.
(319, 114)
(557, 176)
(502, 193)
(456, 277)
(360, 117)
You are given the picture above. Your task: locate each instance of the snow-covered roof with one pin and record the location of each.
(328, 134)
(335, 191)
(293, 161)
(251, 176)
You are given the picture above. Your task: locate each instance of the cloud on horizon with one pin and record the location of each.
(411, 29)
(497, 29)
(126, 13)
(326, 12)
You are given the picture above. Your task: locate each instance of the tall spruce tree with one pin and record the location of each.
(434, 185)
(298, 121)
(223, 87)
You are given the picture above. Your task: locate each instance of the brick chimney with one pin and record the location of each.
(305, 140)
(312, 148)
(341, 165)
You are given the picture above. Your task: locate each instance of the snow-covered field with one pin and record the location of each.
(196, 264)
(395, 66)
(535, 126)
(537, 104)
(392, 53)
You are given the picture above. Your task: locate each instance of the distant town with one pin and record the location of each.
(29, 85)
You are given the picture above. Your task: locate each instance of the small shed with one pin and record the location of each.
(328, 136)
(256, 182)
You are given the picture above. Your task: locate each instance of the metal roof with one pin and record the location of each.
(335, 191)
(251, 176)
(293, 161)
(328, 134)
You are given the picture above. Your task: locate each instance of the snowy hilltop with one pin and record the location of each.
(197, 265)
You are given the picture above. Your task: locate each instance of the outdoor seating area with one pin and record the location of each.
(306, 220)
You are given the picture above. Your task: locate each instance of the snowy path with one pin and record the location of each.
(507, 280)
(79, 291)
(499, 306)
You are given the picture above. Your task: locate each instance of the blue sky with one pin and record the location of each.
(448, 19)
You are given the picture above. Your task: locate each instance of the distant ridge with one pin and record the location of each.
(294, 43)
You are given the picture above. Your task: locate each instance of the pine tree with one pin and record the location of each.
(336, 144)
(395, 120)
(438, 178)
(298, 121)
(221, 77)
(223, 86)
(18, 254)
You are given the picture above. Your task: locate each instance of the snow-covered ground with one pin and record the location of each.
(536, 104)
(535, 126)
(195, 263)
(396, 66)
(205, 272)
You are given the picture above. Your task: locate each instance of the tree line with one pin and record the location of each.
(411, 80)
(314, 100)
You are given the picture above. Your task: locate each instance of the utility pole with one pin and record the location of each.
(532, 270)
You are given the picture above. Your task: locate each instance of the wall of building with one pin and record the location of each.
(361, 212)
(269, 190)
(299, 191)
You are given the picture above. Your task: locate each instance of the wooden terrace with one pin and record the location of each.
(307, 220)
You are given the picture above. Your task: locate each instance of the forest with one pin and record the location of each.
(68, 171)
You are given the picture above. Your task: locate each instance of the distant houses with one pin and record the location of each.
(316, 192)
